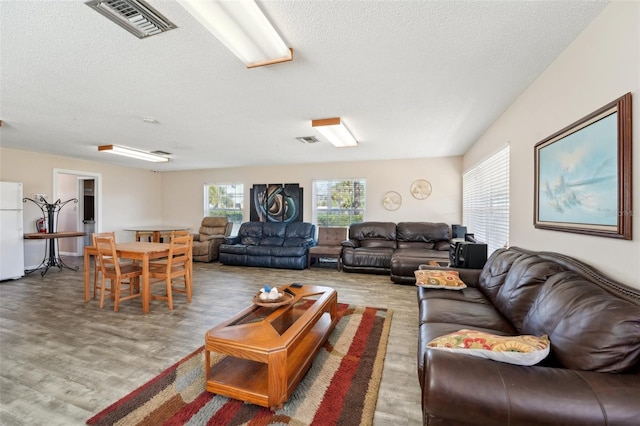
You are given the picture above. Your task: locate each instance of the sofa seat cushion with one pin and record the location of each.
(276, 251)
(200, 249)
(233, 248)
(465, 314)
(367, 257)
(469, 294)
(519, 350)
(429, 331)
(590, 329)
(297, 242)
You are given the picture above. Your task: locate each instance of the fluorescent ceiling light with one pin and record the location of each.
(242, 27)
(133, 153)
(334, 130)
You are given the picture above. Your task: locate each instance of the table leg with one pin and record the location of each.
(86, 275)
(146, 287)
(277, 377)
(156, 236)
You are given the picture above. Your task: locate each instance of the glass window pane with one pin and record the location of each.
(338, 202)
(225, 200)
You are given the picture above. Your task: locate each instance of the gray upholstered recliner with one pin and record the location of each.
(209, 237)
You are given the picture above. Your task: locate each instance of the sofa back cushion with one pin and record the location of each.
(495, 271)
(422, 235)
(250, 233)
(374, 234)
(521, 285)
(589, 327)
(300, 234)
(212, 226)
(273, 234)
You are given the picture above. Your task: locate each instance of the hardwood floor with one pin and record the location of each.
(63, 360)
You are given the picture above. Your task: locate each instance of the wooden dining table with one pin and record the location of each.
(157, 231)
(138, 251)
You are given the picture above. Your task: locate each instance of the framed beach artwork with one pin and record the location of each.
(583, 175)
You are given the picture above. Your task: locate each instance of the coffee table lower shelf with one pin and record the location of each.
(251, 381)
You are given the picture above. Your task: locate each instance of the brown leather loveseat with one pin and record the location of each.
(591, 375)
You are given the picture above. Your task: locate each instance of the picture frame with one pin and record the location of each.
(583, 175)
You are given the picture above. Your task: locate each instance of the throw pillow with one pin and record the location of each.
(520, 350)
(439, 278)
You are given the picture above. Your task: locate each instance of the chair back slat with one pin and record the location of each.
(107, 255)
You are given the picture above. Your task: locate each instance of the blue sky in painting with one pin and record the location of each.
(579, 175)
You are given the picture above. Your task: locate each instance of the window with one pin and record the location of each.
(225, 200)
(485, 200)
(338, 202)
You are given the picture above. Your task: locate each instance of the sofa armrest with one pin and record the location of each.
(232, 240)
(350, 243)
(469, 390)
(196, 237)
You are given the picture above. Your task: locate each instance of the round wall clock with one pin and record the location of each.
(420, 189)
(391, 200)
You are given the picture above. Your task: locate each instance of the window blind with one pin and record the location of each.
(485, 200)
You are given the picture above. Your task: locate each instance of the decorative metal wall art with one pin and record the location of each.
(276, 203)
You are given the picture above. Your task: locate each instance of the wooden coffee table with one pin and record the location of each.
(270, 349)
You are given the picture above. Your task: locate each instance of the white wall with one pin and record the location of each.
(602, 64)
(139, 197)
(184, 190)
(129, 196)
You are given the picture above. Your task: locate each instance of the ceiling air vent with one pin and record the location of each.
(308, 139)
(135, 16)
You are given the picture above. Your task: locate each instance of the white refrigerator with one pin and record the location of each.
(11, 231)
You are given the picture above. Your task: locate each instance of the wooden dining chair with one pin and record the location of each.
(115, 272)
(96, 271)
(173, 270)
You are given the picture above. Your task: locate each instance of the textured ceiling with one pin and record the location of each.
(411, 79)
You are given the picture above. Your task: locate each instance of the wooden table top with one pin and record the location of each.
(51, 235)
(135, 246)
(160, 228)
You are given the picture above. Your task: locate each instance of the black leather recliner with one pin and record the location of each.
(369, 247)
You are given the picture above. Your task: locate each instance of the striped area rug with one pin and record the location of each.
(340, 388)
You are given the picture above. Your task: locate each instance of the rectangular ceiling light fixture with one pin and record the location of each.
(242, 27)
(334, 130)
(133, 153)
(135, 16)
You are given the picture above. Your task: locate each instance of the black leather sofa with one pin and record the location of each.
(590, 377)
(269, 244)
(395, 249)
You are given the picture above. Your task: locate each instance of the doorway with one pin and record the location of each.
(86, 214)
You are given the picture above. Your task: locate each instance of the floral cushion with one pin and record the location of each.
(438, 278)
(520, 350)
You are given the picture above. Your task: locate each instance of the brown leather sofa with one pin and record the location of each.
(395, 249)
(592, 374)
